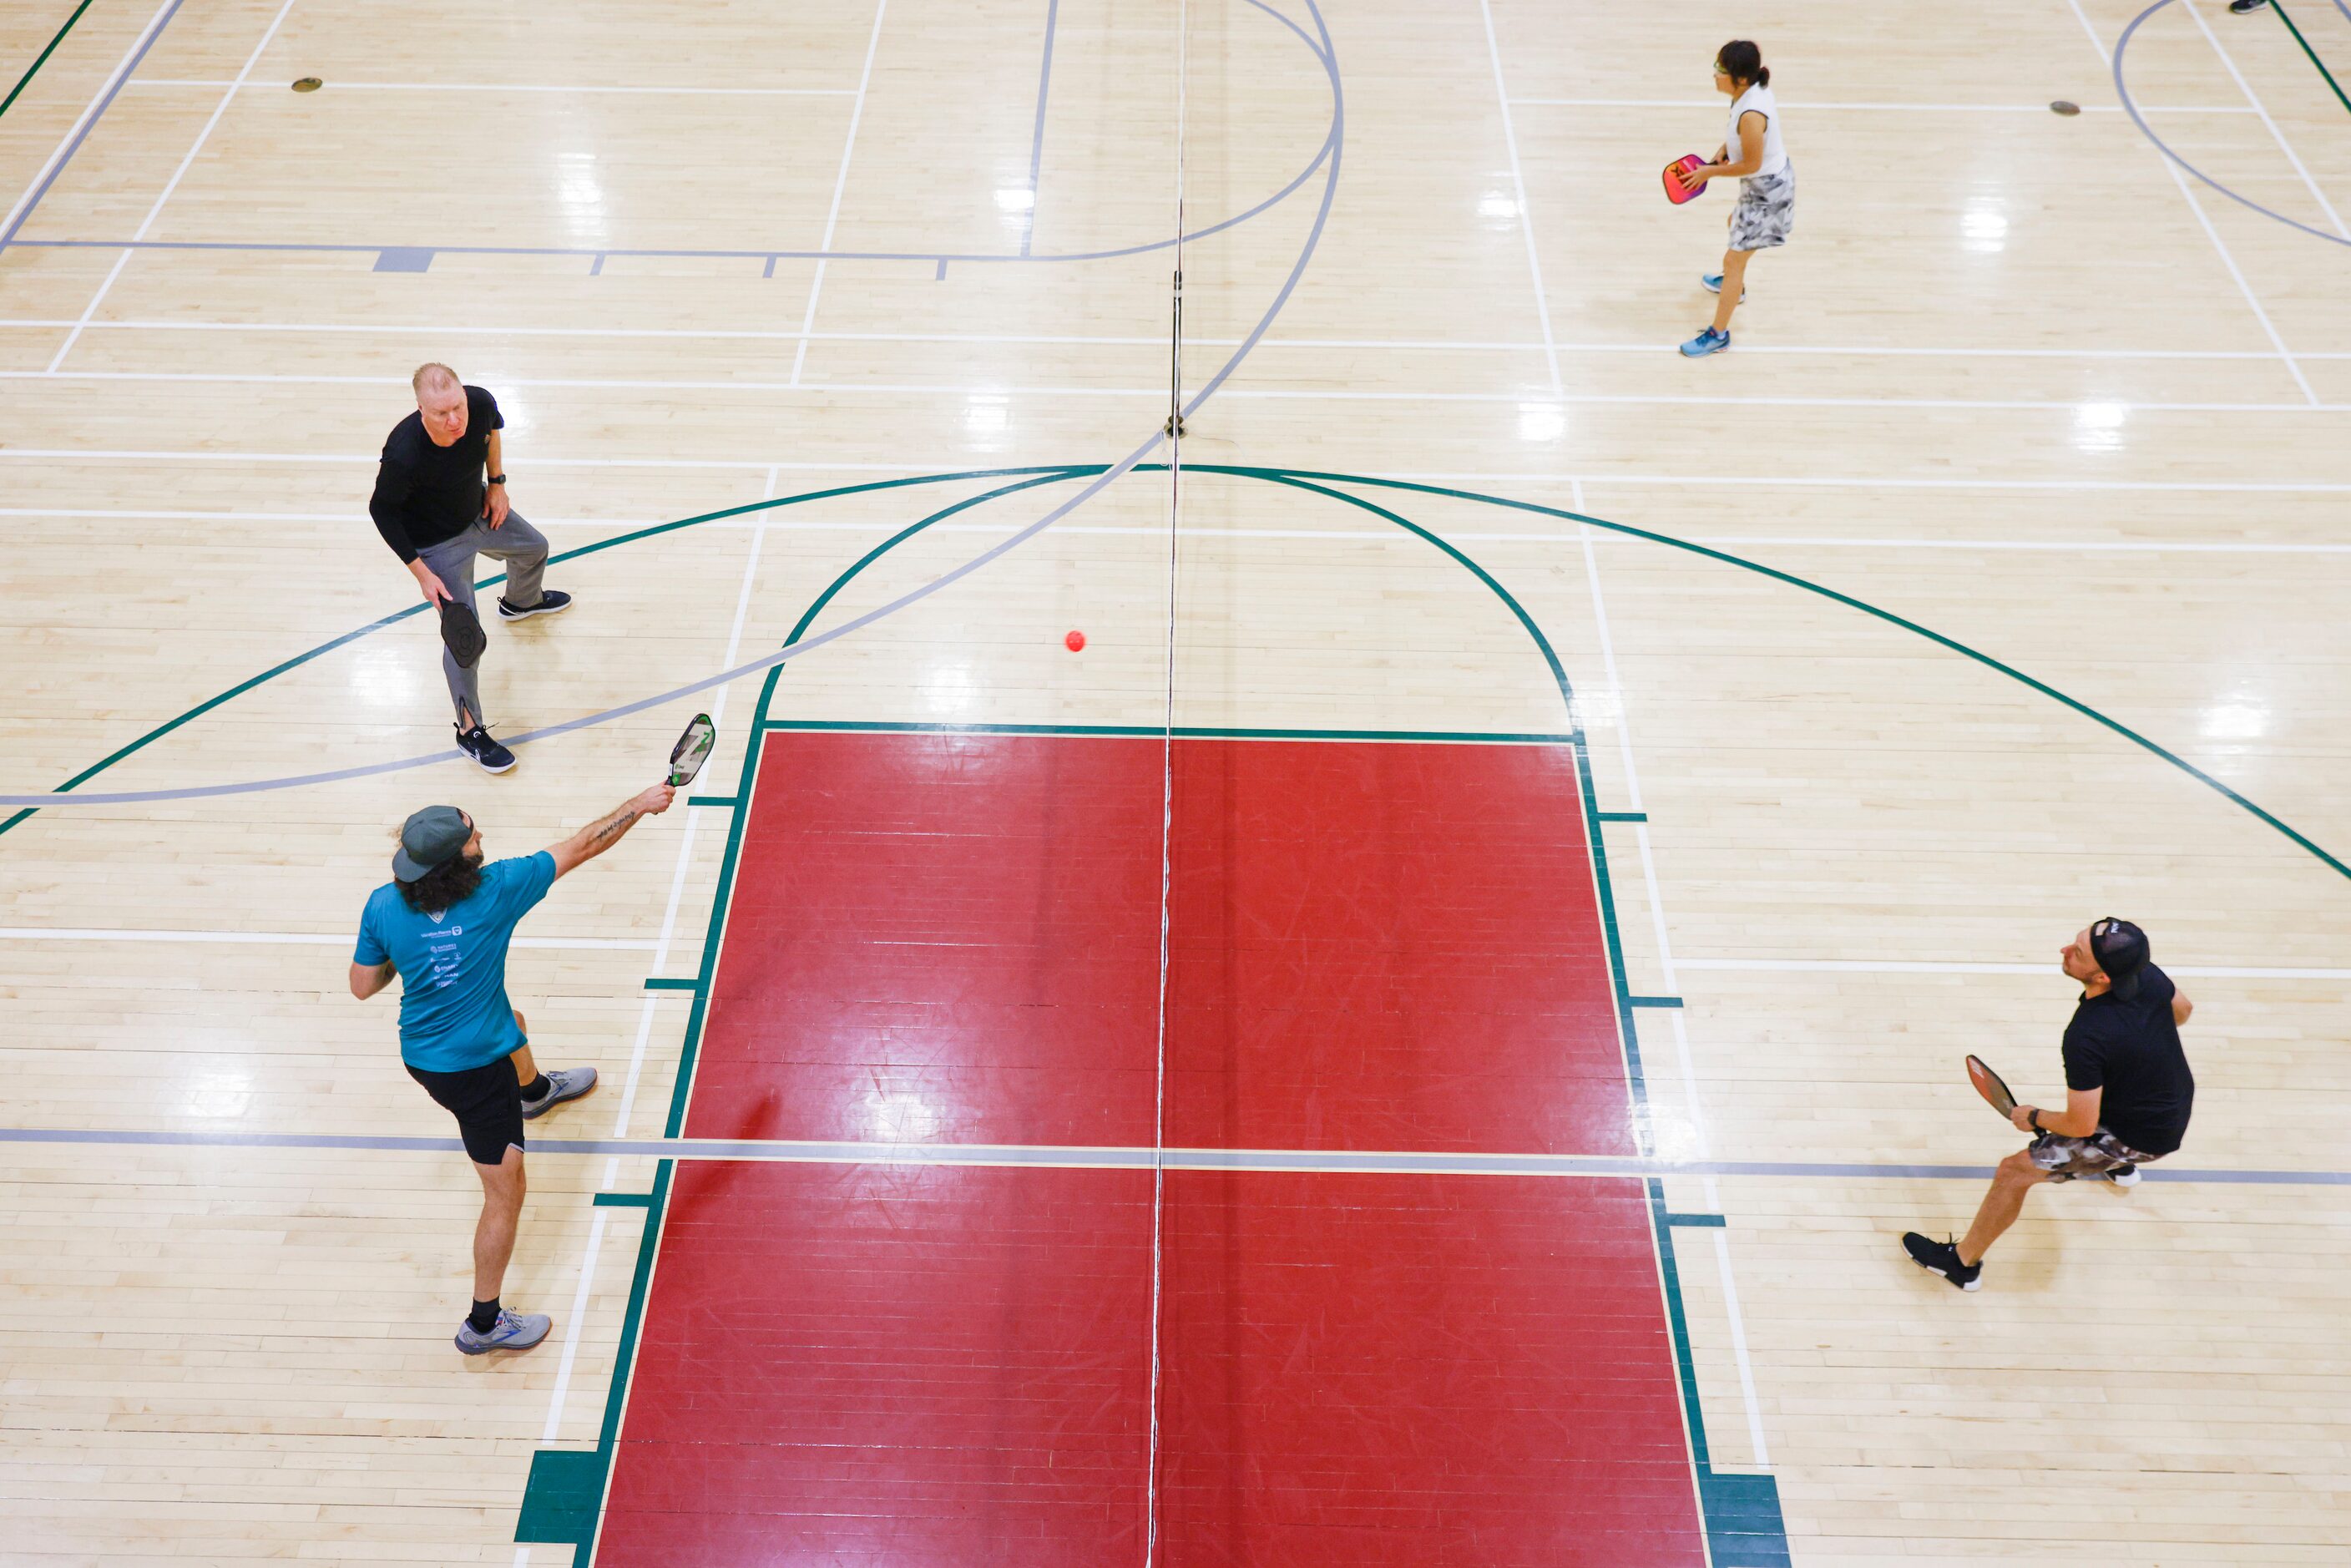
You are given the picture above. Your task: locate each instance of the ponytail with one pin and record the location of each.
(1741, 60)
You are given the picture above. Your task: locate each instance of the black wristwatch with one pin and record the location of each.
(2032, 1115)
(498, 478)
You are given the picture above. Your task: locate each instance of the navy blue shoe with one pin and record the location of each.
(476, 744)
(551, 602)
(1707, 342)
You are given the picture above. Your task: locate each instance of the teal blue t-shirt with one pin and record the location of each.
(454, 1012)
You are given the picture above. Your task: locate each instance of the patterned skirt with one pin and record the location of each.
(1766, 210)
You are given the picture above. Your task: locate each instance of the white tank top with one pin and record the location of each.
(1758, 98)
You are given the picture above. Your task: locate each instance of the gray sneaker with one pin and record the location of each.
(567, 1084)
(512, 1331)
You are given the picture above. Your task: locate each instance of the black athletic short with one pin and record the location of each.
(487, 1101)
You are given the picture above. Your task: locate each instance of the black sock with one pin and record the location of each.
(483, 1317)
(538, 1088)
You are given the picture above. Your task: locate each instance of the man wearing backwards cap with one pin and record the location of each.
(442, 923)
(2128, 1094)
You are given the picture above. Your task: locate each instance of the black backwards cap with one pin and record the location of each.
(2121, 951)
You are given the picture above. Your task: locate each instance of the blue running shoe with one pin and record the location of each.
(1707, 342)
(512, 1331)
(1712, 283)
(562, 1083)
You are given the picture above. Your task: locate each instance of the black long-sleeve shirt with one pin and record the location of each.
(425, 494)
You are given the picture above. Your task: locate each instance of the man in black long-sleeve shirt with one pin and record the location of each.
(433, 509)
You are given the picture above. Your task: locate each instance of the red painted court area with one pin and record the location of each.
(954, 939)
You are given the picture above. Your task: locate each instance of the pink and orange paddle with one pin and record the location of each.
(1676, 191)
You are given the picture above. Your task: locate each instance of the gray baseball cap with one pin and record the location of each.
(429, 839)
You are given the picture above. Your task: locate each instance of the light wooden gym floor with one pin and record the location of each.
(2015, 380)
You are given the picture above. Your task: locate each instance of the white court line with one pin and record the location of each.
(1700, 1139)
(839, 184)
(1434, 476)
(171, 185)
(283, 938)
(1918, 108)
(2253, 99)
(635, 1076)
(1128, 530)
(1433, 345)
(65, 143)
(1518, 186)
(338, 85)
(1243, 393)
(1816, 481)
(2210, 233)
(1924, 967)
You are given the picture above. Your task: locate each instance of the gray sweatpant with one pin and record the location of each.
(524, 549)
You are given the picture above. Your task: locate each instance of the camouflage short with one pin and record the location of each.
(2066, 1159)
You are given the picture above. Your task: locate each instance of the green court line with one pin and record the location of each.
(624, 1200)
(2279, 6)
(726, 802)
(1656, 1002)
(1715, 1221)
(564, 1499)
(662, 983)
(299, 660)
(43, 58)
(1741, 1515)
(1793, 581)
(1301, 478)
(1624, 815)
(1723, 1497)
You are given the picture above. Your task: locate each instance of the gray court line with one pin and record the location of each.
(113, 89)
(1321, 52)
(1332, 149)
(1037, 138)
(2131, 108)
(1045, 1157)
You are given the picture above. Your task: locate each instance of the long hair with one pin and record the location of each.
(443, 887)
(1741, 60)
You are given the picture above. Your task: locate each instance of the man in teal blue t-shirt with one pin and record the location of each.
(443, 925)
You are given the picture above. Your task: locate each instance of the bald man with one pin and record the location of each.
(441, 500)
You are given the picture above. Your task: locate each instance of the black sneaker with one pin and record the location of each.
(476, 744)
(2246, 7)
(551, 602)
(1941, 1257)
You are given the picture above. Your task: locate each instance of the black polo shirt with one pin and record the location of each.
(2130, 1048)
(427, 494)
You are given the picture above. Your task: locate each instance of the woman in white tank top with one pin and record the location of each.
(1766, 210)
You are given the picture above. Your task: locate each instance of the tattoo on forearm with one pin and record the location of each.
(611, 827)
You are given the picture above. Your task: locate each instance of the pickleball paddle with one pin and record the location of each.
(1990, 1085)
(460, 628)
(692, 750)
(1676, 191)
